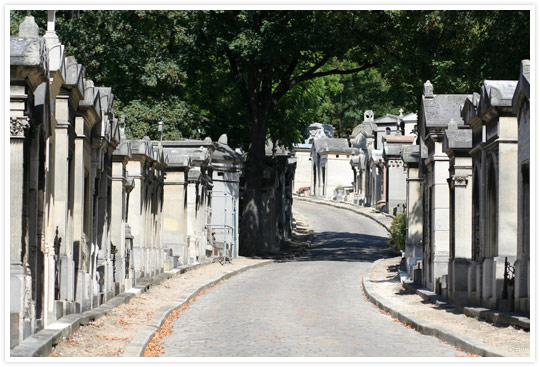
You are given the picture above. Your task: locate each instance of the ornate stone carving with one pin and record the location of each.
(18, 125)
(460, 180)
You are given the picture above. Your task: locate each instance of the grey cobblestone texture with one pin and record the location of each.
(311, 307)
(384, 219)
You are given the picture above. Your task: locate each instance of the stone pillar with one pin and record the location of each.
(19, 294)
(66, 266)
(440, 221)
(118, 235)
(507, 208)
(415, 213)
(461, 269)
(136, 221)
(521, 107)
(173, 214)
(79, 237)
(192, 221)
(461, 236)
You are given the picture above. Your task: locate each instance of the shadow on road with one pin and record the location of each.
(346, 246)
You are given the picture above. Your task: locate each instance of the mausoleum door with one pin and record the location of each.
(491, 212)
(476, 253)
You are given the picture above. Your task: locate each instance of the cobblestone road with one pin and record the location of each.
(311, 307)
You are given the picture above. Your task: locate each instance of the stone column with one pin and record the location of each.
(507, 207)
(461, 269)
(118, 234)
(61, 199)
(19, 293)
(173, 214)
(440, 222)
(461, 235)
(191, 221)
(79, 237)
(415, 213)
(521, 107)
(136, 217)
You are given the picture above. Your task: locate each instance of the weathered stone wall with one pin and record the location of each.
(70, 246)
(471, 200)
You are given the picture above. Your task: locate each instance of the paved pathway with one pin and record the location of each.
(312, 307)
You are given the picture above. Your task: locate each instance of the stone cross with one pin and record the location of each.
(428, 89)
(401, 113)
(51, 19)
(50, 36)
(452, 125)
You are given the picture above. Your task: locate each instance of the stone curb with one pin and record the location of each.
(41, 343)
(460, 341)
(480, 313)
(139, 343)
(352, 209)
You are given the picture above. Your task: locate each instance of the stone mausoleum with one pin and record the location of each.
(93, 213)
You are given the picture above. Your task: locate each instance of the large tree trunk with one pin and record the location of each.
(252, 208)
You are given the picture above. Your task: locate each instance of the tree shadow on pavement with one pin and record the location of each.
(346, 246)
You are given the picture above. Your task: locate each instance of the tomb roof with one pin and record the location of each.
(365, 127)
(457, 139)
(411, 153)
(280, 150)
(224, 153)
(332, 145)
(302, 146)
(499, 92)
(523, 88)
(441, 108)
(410, 117)
(399, 139)
(386, 119)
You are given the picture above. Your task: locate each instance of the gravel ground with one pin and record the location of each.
(111, 334)
(506, 338)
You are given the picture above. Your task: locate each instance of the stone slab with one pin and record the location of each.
(481, 313)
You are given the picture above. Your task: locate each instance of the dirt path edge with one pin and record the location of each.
(424, 327)
(138, 344)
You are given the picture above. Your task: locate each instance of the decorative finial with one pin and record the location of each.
(122, 127)
(526, 68)
(160, 130)
(368, 116)
(452, 125)
(223, 139)
(28, 28)
(51, 20)
(428, 90)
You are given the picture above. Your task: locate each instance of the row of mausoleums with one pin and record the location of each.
(373, 151)
(92, 213)
(460, 172)
(474, 161)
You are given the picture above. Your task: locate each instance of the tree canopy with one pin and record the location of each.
(173, 65)
(261, 75)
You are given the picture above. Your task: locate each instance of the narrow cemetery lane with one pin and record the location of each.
(311, 307)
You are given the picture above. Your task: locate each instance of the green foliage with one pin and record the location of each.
(398, 232)
(456, 50)
(183, 67)
(346, 97)
(142, 119)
